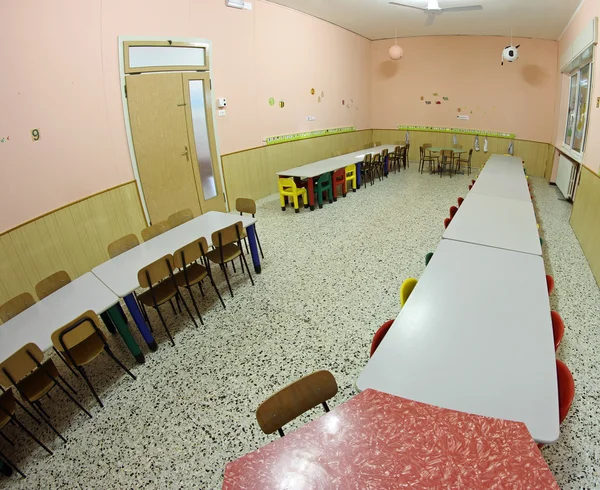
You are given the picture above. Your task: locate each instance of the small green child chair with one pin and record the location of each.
(323, 184)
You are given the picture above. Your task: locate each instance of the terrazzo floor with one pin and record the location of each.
(330, 278)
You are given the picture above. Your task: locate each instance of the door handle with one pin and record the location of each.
(186, 154)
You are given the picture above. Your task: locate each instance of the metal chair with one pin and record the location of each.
(14, 306)
(155, 230)
(295, 399)
(80, 342)
(180, 217)
(445, 161)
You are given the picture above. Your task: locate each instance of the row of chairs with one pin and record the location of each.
(81, 341)
(446, 160)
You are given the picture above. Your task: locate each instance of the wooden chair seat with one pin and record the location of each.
(195, 274)
(230, 252)
(37, 384)
(163, 292)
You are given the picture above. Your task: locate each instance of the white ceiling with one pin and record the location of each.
(377, 19)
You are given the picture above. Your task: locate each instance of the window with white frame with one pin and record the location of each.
(578, 110)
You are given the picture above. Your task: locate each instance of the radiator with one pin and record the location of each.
(565, 177)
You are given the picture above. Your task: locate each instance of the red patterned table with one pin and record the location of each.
(381, 441)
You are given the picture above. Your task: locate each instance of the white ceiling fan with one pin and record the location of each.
(433, 9)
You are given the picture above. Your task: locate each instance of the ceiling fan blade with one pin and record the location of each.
(463, 9)
(430, 20)
(409, 6)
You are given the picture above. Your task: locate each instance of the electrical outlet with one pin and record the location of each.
(310, 118)
(222, 112)
(597, 102)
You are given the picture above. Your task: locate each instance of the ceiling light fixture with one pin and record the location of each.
(396, 52)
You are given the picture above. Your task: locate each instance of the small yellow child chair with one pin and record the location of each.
(351, 176)
(288, 188)
(407, 287)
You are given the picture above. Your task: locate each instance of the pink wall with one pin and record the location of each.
(514, 98)
(589, 9)
(62, 76)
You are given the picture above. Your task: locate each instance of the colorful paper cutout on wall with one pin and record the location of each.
(428, 102)
(439, 102)
(271, 101)
(4, 138)
(435, 94)
(459, 109)
(281, 104)
(312, 91)
(322, 93)
(343, 102)
(319, 99)
(422, 98)
(445, 98)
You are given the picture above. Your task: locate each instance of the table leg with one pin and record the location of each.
(110, 326)
(250, 231)
(311, 194)
(136, 314)
(386, 166)
(118, 320)
(358, 175)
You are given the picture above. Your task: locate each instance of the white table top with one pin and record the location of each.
(331, 164)
(496, 222)
(120, 273)
(475, 336)
(509, 185)
(509, 166)
(37, 322)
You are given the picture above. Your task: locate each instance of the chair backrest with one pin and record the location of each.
(428, 258)
(377, 158)
(453, 211)
(406, 289)
(7, 407)
(558, 328)
(368, 158)
(323, 179)
(155, 230)
(384, 153)
(470, 187)
(122, 245)
(156, 271)
(368, 145)
(406, 150)
(550, 283)
(180, 217)
(403, 152)
(378, 143)
(190, 252)
(51, 284)
(295, 399)
(14, 306)
(350, 170)
(245, 205)
(397, 150)
(566, 389)
(460, 200)
(470, 154)
(458, 147)
(379, 335)
(20, 364)
(427, 145)
(421, 152)
(286, 182)
(227, 235)
(77, 331)
(447, 222)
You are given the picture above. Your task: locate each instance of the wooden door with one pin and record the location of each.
(201, 135)
(159, 131)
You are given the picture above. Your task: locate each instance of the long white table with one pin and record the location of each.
(503, 165)
(37, 323)
(475, 336)
(120, 273)
(315, 169)
(496, 222)
(502, 182)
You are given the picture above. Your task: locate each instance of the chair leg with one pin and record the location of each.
(84, 376)
(26, 430)
(65, 382)
(188, 310)
(64, 361)
(116, 359)
(145, 313)
(296, 204)
(27, 411)
(212, 281)
(6, 438)
(200, 287)
(73, 399)
(258, 242)
(173, 306)
(227, 279)
(248, 269)
(12, 465)
(195, 306)
(48, 423)
(246, 242)
(164, 325)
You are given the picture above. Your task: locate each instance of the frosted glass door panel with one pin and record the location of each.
(205, 164)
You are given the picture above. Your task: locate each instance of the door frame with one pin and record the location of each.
(121, 41)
